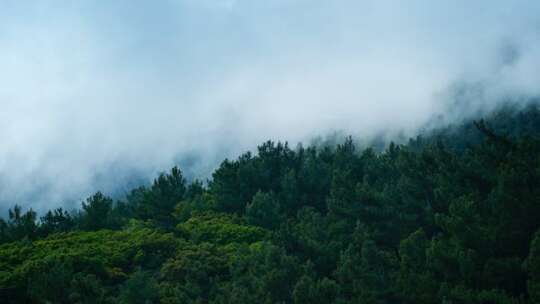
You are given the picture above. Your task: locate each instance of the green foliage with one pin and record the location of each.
(310, 290)
(364, 274)
(57, 282)
(20, 225)
(194, 271)
(415, 281)
(157, 203)
(533, 269)
(263, 274)
(197, 204)
(58, 220)
(90, 257)
(220, 229)
(96, 212)
(263, 211)
(451, 217)
(140, 288)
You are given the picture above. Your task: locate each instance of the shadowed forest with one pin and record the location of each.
(451, 216)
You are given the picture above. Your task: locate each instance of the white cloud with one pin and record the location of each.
(95, 93)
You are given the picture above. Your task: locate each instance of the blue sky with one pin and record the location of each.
(94, 92)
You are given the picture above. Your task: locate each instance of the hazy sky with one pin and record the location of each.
(93, 93)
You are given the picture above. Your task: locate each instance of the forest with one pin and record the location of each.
(450, 216)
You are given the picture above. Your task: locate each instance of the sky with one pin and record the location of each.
(103, 95)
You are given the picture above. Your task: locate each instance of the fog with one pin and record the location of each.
(103, 95)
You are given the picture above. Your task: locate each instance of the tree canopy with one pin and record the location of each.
(452, 216)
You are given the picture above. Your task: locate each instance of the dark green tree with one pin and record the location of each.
(140, 288)
(264, 211)
(57, 220)
(21, 225)
(96, 212)
(533, 269)
(159, 201)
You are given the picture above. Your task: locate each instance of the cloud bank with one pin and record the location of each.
(101, 95)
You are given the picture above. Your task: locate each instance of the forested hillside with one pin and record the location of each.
(453, 216)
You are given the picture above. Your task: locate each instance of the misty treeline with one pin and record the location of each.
(452, 216)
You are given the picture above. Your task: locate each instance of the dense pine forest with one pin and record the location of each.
(451, 216)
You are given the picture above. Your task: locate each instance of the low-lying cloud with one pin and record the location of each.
(101, 95)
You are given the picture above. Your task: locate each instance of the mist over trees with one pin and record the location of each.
(121, 91)
(452, 216)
